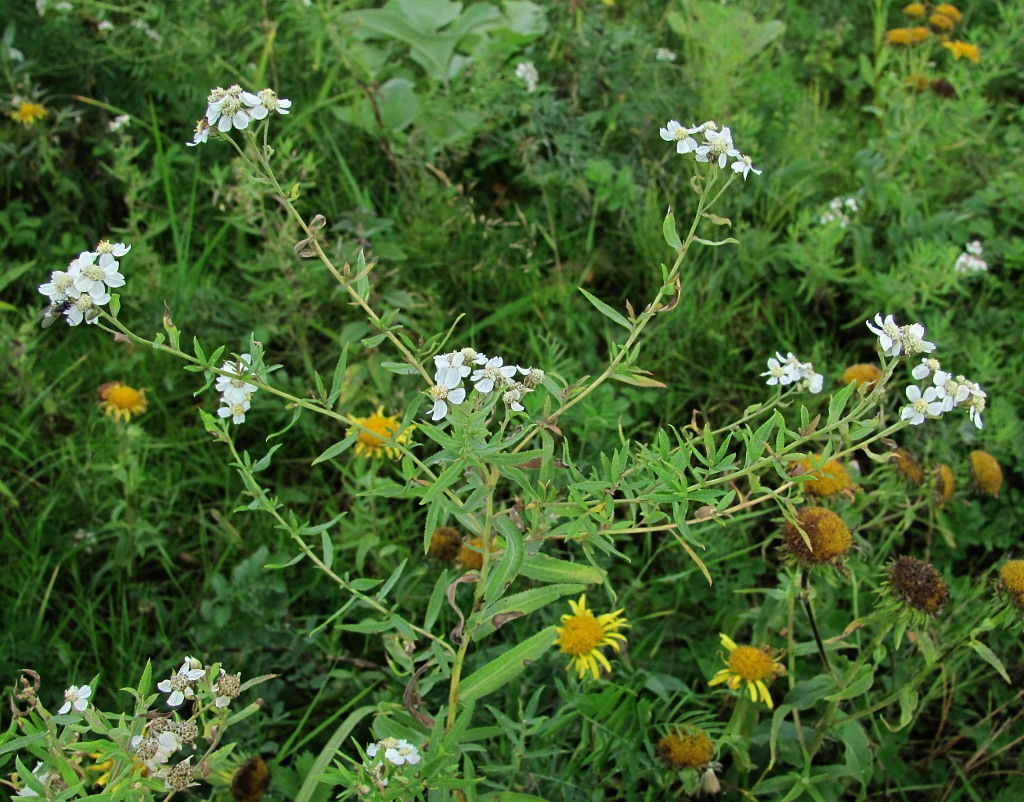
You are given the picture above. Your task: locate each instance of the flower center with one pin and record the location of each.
(63, 282)
(439, 392)
(124, 397)
(581, 634)
(751, 664)
(382, 430)
(93, 272)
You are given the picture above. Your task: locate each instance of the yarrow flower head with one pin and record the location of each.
(839, 211)
(226, 688)
(80, 291)
(397, 752)
(76, 697)
(717, 147)
(525, 71)
(180, 685)
(489, 375)
(236, 392)
(447, 390)
(374, 432)
(922, 405)
(785, 370)
(234, 108)
(750, 667)
(970, 260)
(664, 54)
(583, 635)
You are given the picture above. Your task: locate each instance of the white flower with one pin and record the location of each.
(664, 54)
(744, 166)
(119, 122)
(179, 686)
(201, 134)
(234, 409)
(493, 372)
(927, 367)
(456, 360)
(86, 307)
(913, 340)
(396, 751)
(976, 403)
(890, 336)
(155, 750)
(674, 132)
(41, 776)
(103, 26)
(234, 388)
(56, 289)
(513, 396)
(811, 382)
(76, 697)
(952, 392)
(534, 377)
(525, 71)
(921, 405)
(779, 372)
(265, 102)
(973, 247)
(446, 391)
(970, 263)
(226, 110)
(14, 54)
(109, 251)
(718, 147)
(96, 278)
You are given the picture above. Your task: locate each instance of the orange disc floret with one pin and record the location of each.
(950, 11)
(471, 554)
(864, 373)
(686, 749)
(1011, 580)
(445, 544)
(828, 536)
(940, 23)
(908, 466)
(829, 479)
(944, 484)
(918, 585)
(914, 10)
(988, 476)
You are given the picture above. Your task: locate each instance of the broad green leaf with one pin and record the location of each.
(519, 604)
(858, 686)
(668, 230)
(607, 311)
(542, 568)
(991, 658)
(506, 667)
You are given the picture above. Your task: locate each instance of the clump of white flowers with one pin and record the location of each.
(839, 211)
(785, 370)
(488, 375)
(716, 148)
(970, 260)
(947, 391)
(525, 71)
(664, 54)
(235, 392)
(389, 752)
(79, 291)
(234, 108)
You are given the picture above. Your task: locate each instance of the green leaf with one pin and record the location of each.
(859, 685)
(505, 569)
(328, 547)
(341, 446)
(607, 311)
(717, 243)
(506, 667)
(908, 704)
(838, 402)
(542, 568)
(339, 375)
(991, 658)
(383, 592)
(668, 230)
(520, 604)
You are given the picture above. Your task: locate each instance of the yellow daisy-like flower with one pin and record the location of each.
(915, 10)
(382, 428)
(120, 401)
(28, 113)
(964, 50)
(582, 635)
(749, 666)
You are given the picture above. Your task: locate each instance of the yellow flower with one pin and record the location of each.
(1011, 577)
(250, 781)
(906, 36)
(828, 534)
(907, 466)
(471, 555)
(944, 484)
(749, 666)
(915, 10)
(963, 50)
(28, 113)
(863, 373)
(941, 23)
(829, 479)
(950, 11)
(382, 428)
(918, 34)
(582, 635)
(686, 748)
(988, 476)
(120, 401)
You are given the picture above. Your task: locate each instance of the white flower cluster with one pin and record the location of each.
(82, 289)
(397, 752)
(492, 374)
(235, 391)
(898, 340)
(525, 71)
(664, 54)
(970, 260)
(946, 393)
(783, 370)
(179, 686)
(839, 211)
(234, 108)
(717, 146)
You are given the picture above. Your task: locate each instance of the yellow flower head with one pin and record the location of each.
(829, 537)
(944, 484)
(749, 666)
(940, 23)
(686, 748)
(28, 113)
(471, 555)
(988, 476)
(963, 50)
(445, 544)
(907, 466)
(914, 10)
(1011, 582)
(582, 635)
(381, 428)
(120, 401)
(918, 34)
(906, 36)
(863, 373)
(829, 479)
(950, 11)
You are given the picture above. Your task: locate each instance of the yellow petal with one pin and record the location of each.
(766, 697)
(727, 642)
(720, 677)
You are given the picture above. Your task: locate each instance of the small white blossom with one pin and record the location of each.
(456, 360)
(951, 391)
(779, 372)
(525, 71)
(234, 389)
(674, 132)
(447, 390)
(913, 340)
(85, 307)
(664, 54)
(201, 134)
(234, 409)
(95, 278)
(743, 165)
(970, 260)
(179, 686)
(396, 751)
(57, 288)
(493, 372)
(927, 367)
(119, 122)
(973, 247)
(890, 336)
(718, 147)
(837, 211)
(265, 102)
(927, 404)
(76, 697)
(13, 54)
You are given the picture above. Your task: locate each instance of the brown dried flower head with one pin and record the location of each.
(828, 537)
